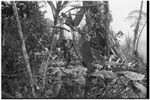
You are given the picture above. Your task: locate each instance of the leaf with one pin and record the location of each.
(79, 16)
(98, 66)
(70, 17)
(59, 5)
(104, 74)
(137, 12)
(52, 8)
(84, 6)
(113, 63)
(132, 75)
(80, 80)
(141, 88)
(65, 2)
(86, 53)
(98, 56)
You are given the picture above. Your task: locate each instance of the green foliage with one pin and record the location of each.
(96, 70)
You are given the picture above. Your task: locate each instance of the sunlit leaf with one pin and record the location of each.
(104, 74)
(132, 75)
(98, 66)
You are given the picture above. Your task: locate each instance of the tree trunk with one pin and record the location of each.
(107, 24)
(137, 28)
(49, 55)
(139, 37)
(24, 49)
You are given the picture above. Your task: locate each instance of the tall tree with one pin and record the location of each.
(137, 43)
(26, 57)
(137, 28)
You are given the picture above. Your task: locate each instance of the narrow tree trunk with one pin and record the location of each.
(137, 28)
(24, 49)
(49, 55)
(139, 37)
(3, 38)
(47, 62)
(107, 24)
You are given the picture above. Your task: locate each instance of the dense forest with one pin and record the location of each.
(39, 61)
